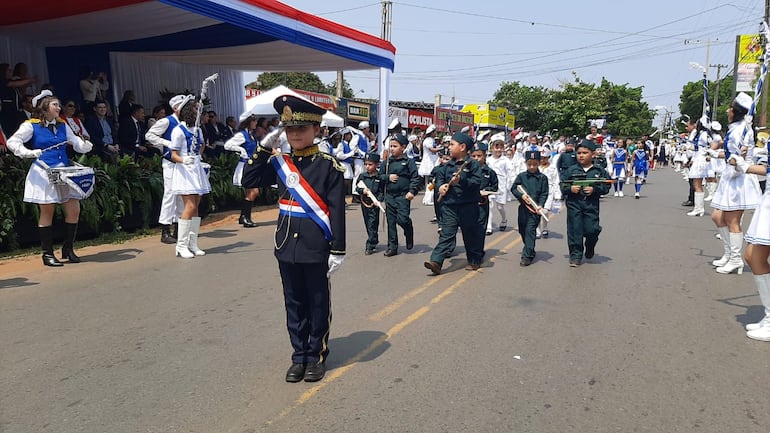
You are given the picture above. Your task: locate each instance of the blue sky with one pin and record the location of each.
(466, 49)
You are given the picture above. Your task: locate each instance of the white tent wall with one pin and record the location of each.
(148, 77)
(15, 50)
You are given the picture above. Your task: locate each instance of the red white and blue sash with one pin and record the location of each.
(310, 203)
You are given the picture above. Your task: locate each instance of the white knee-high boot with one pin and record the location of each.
(735, 263)
(763, 287)
(724, 232)
(698, 209)
(195, 227)
(183, 240)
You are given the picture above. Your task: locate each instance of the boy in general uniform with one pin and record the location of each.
(371, 212)
(459, 191)
(535, 184)
(583, 203)
(401, 180)
(310, 236)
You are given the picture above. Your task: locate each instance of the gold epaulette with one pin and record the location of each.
(33, 120)
(334, 161)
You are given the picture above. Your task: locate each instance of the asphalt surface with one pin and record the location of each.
(645, 337)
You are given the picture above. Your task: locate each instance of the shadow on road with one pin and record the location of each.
(16, 282)
(753, 314)
(361, 346)
(219, 234)
(112, 256)
(224, 249)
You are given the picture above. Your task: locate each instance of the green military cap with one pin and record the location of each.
(532, 154)
(588, 144)
(372, 157)
(401, 138)
(464, 139)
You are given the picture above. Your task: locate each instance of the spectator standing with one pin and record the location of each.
(92, 87)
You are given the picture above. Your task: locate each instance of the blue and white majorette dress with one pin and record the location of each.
(188, 178)
(37, 187)
(619, 157)
(737, 190)
(640, 163)
(759, 230)
(245, 140)
(699, 167)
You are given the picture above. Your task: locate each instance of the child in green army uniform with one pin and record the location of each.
(401, 184)
(535, 184)
(488, 184)
(583, 203)
(370, 211)
(459, 185)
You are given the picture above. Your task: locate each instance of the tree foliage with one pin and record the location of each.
(691, 99)
(300, 80)
(570, 108)
(294, 80)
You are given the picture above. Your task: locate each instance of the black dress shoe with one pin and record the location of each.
(51, 260)
(295, 373)
(315, 372)
(70, 255)
(369, 251)
(688, 203)
(409, 241)
(589, 254)
(574, 263)
(166, 238)
(390, 253)
(525, 261)
(248, 223)
(434, 267)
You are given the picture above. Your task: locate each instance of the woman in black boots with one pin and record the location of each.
(245, 144)
(48, 136)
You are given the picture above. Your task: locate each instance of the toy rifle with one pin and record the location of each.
(587, 182)
(455, 178)
(531, 205)
(371, 196)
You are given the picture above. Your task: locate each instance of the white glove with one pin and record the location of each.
(740, 163)
(272, 140)
(34, 153)
(713, 153)
(760, 155)
(83, 148)
(243, 154)
(335, 261)
(188, 160)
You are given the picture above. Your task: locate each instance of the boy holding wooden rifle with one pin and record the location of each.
(531, 189)
(459, 185)
(582, 185)
(371, 189)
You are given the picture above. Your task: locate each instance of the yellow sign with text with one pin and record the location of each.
(490, 116)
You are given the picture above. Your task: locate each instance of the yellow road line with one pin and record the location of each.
(338, 372)
(395, 305)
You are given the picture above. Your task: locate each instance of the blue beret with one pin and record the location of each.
(463, 139)
(482, 146)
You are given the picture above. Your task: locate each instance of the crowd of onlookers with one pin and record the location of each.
(114, 131)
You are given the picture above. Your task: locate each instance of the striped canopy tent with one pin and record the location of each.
(152, 45)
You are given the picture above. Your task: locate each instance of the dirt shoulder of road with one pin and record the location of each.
(27, 264)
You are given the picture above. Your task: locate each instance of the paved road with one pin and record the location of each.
(644, 338)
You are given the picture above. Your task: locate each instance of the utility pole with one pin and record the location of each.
(340, 79)
(763, 97)
(719, 67)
